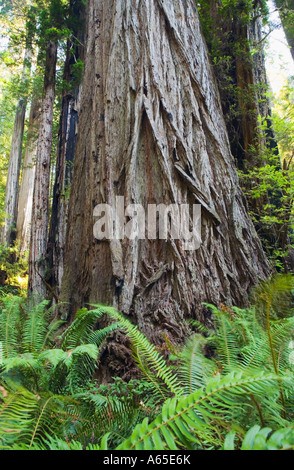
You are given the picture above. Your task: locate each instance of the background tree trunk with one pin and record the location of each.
(25, 201)
(68, 129)
(40, 210)
(63, 177)
(8, 232)
(286, 9)
(235, 41)
(265, 138)
(152, 130)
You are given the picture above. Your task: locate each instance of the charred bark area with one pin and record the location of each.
(151, 129)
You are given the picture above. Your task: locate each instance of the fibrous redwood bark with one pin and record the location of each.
(151, 129)
(40, 210)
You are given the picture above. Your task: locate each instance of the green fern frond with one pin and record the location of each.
(1, 354)
(25, 361)
(257, 353)
(55, 443)
(81, 363)
(258, 438)
(147, 350)
(35, 327)
(97, 337)
(52, 357)
(9, 328)
(183, 420)
(25, 417)
(195, 368)
(275, 293)
(200, 327)
(160, 392)
(51, 331)
(25, 329)
(16, 408)
(81, 328)
(74, 367)
(107, 415)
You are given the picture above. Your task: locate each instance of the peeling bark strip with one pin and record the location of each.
(151, 129)
(40, 211)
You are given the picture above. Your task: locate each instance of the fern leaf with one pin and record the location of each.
(195, 369)
(258, 438)
(185, 419)
(9, 319)
(147, 350)
(80, 330)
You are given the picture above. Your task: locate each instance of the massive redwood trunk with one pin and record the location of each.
(152, 130)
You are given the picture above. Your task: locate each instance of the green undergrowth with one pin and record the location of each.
(230, 387)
